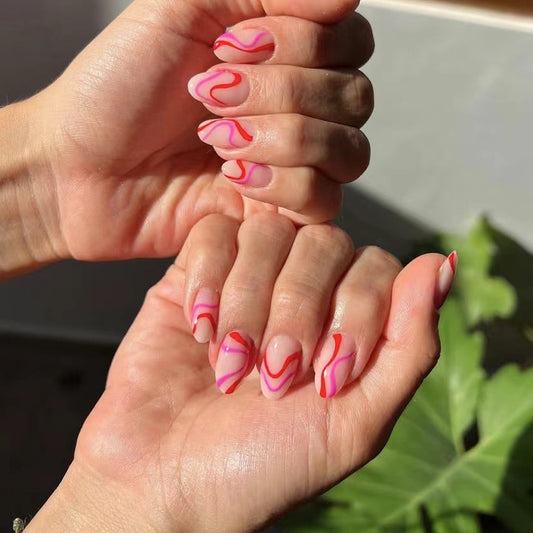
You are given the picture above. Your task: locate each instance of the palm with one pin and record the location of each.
(163, 431)
(129, 158)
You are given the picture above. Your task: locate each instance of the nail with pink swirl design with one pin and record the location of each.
(247, 173)
(245, 46)
(226, 133)
(233, 363)
(334, 364)
(279, 366)
(205, 315)
(220, 88)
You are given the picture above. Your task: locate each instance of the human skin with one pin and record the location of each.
(165, 451)
(106, 163)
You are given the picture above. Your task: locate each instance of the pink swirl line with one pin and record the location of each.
(332, 377)
(219, 124)
(252, 169)
(231, 36)
(276, 389)
(225, 378)
(229, 349)
(199, 306)
(203, 82)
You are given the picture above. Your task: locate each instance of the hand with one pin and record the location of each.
(164, 451)
(130, 173)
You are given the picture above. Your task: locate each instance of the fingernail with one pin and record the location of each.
(221, 88)
(250, 46)
(446, 278)
(233, 361)
(225, 133)
(205, 315)
(279, 366)
(247, 173)
(334, 364)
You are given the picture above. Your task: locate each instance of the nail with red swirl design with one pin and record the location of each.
(205, 315)
(220, 88)
(226, 133)
(245, 46)
(334, 364)
(280, 365)
(233, 361)
(247, 173)
(446, 278)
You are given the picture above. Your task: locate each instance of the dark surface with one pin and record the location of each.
(48, 388)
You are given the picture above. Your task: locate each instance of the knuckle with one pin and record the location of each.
(290, 91)
(328, 236)
(298, 133)
(299, 299)
(380, 257)
(267, 225)
(358, 93)
(371, 298)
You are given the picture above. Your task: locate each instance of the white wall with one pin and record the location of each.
(451, 138)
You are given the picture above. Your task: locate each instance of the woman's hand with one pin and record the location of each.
(165, 451)
(127, 170)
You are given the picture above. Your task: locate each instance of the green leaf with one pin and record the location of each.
(483, 297)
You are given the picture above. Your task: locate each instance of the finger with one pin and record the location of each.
(303, 191)
(229, 12)
(300, 305)
(343, 96)
(340, 152)
(296, 41)
(264, 241)
(410, 345)
(361, 306)
(209, 254)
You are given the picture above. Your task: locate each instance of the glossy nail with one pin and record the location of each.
(334, 364)
(205, 315)
(280, 365)
(245, 46)
(233, 361)
(221, 88)
(446, 278)
(247, 173)
(226, 133)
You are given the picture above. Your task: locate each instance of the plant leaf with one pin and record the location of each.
(483, 297)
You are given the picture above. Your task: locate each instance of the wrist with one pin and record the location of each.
(30, 233)
(82, 502)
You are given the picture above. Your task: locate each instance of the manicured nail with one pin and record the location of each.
(221, 88)
(205, 315)
(247, 173)
(233, 361)
(279, 366)
(446, 278)
(334, 364)
(245, 46)
(225, 133)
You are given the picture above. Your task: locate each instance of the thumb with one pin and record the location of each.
(410, 346)
(229, 12)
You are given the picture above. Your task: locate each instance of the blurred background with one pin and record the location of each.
(451, 139)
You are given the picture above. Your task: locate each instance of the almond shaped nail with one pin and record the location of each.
(446, 278)
(221, 88)
(245, 46)
(334, 364)
(280, 365)
(226, 133)
(204, 316)
(247, 173)
(233, 361)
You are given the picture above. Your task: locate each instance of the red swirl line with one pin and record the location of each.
(337, 337)
(209, 316)
(245, 135)
(270, 47)
(242, 175)
(293, 357)
(238, 338)
(237, 78)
